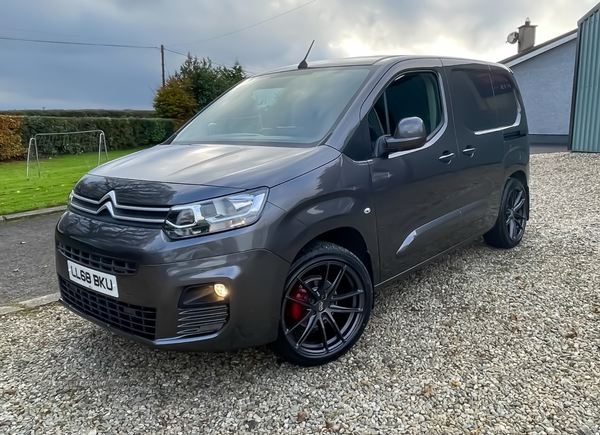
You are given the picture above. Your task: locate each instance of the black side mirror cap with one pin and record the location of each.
(409, 135)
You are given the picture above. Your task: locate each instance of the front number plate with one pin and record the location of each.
(92, 279)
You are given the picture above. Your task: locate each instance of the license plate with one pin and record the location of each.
(92, 279)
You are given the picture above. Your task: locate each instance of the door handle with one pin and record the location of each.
(469, 151)
(446, 157)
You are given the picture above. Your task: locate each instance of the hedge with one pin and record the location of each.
(121, 133)
(10, 137)
(85, 113)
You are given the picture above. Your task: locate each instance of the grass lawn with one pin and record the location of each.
(59, 175)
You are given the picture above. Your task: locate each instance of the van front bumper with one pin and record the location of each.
(149, 308)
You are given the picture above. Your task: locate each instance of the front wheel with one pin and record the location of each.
(512, 217)
(326, 305)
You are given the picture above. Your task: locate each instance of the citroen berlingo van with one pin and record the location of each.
(275, 213)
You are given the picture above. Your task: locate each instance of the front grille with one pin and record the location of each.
(195, 322)
(98, 262)
(108, 206)
(140, 321)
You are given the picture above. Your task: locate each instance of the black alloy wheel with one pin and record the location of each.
(515, 214)
(326, 305)
(512, 218)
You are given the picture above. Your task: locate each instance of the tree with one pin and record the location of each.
(174, 100)
(194, 86)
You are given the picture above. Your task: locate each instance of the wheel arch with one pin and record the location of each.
(349, 238)
(520, 175)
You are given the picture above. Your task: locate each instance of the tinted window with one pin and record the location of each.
(505, 99)
(415, 94)
(297, 107)
(376, 129)
(473, 99)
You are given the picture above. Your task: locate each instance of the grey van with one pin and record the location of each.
(276, 212)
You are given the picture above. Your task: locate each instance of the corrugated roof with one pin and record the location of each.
(542, 48)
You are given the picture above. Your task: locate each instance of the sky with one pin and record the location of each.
(57, 76)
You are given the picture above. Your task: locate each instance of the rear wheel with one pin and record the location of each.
(512, 218)
(326, 305)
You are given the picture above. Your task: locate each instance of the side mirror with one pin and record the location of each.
(409, 135)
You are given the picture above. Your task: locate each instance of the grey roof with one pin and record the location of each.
(364, 61)
(347, 61)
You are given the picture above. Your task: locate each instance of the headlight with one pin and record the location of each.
(215, 215)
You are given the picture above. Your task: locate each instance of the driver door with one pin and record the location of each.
(415, 190)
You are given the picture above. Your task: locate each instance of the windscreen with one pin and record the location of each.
(291, 107)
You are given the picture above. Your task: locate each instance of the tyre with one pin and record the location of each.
(512, 217)
(326, 305)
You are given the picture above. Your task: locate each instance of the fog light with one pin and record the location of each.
(221, 290)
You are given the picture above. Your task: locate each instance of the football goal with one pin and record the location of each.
(47, 145)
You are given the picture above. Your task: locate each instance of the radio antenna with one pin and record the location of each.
(303, 64)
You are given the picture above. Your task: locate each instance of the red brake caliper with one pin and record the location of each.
(296, 309)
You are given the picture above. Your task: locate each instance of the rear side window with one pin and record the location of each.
(505, 99)
(473, 99)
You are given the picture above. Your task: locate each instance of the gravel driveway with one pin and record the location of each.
(482, 342)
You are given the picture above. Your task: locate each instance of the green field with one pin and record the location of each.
(59, 175)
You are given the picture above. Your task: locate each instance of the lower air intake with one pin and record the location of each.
(195, 322)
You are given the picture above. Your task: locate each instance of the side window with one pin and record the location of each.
(414, 94)
(473, 99)
(504, 98)
(411, 94)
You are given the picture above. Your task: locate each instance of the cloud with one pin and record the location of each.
(55, 76)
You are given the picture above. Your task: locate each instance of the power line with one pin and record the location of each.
(101, 45)
(78, 43)
(249, 27)
(70, 35)
(176, 52)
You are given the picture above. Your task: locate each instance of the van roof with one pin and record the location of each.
(367, 61)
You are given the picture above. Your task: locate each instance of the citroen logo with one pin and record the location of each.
(109, 202)
(109, 196)
(320, 306)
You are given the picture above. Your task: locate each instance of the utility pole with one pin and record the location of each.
(162, 59)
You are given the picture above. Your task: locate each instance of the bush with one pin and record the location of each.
(120, 133)
(175, 100)
(10, 139)
(158, 133)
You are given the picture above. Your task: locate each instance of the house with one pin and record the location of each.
(545, 74)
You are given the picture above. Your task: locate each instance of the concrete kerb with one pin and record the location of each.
(32, 213)
(29, 304)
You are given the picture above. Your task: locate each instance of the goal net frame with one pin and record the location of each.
(34, 141)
